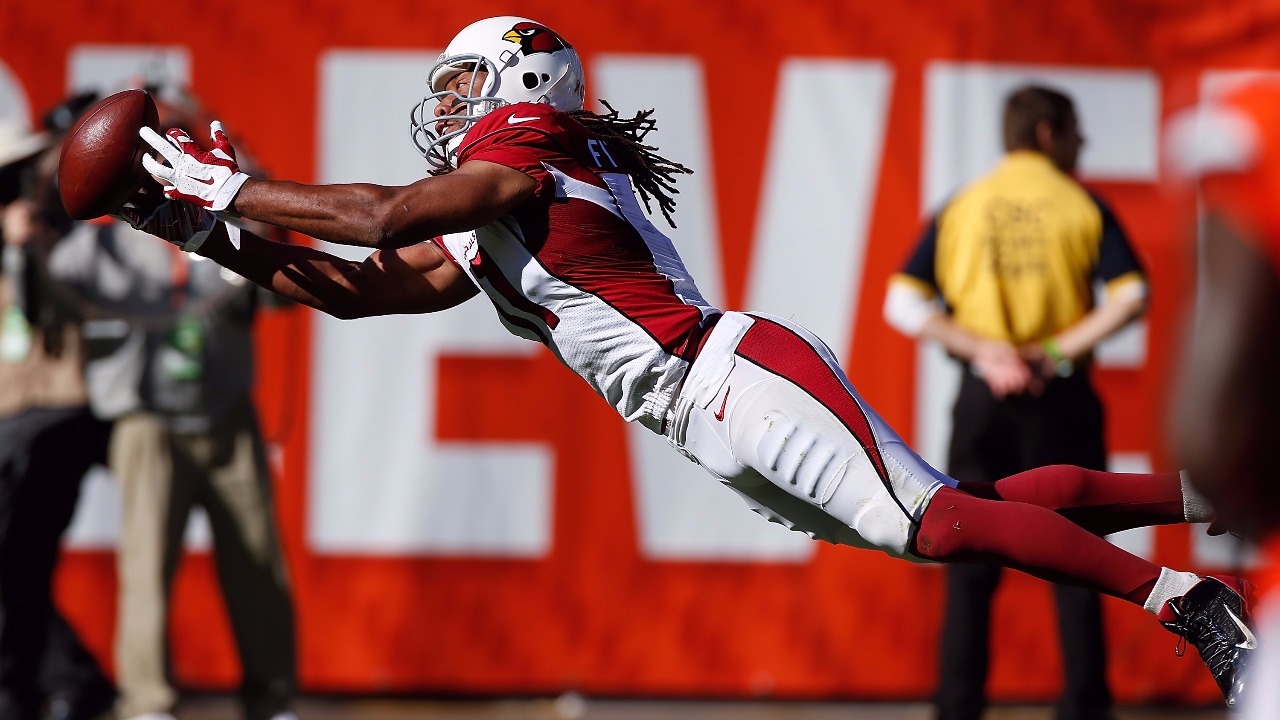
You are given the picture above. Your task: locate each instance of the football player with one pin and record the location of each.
(532, 200)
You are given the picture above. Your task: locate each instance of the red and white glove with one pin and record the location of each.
(208, 178)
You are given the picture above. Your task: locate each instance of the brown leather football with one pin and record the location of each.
(101, 162)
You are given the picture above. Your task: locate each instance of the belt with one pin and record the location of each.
(703, 380)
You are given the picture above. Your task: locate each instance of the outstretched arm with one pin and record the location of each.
(387, 217)
(366, 215)
(415, 279)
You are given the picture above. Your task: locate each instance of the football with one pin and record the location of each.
(101, 161)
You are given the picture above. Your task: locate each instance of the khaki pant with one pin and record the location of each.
(163, 474)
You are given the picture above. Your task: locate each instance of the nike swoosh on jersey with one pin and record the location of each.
(514, 119)
(719, 414)
(1250, 642)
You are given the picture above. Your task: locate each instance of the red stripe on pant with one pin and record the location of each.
(781, 351)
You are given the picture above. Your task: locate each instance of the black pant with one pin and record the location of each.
(993, 439)
(44, 453)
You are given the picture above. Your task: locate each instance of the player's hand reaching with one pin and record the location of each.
(208, 178)
(178, 223)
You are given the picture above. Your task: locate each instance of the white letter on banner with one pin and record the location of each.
(379, 481)
(109, 69)
(14, 107)
(816, 208)
(1119, 114)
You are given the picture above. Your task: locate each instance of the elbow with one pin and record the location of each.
(906, 310)
(387, 228)
(1133, 309)
(1132, 299)
(378, 231)
(1140, 307)
(374, 225)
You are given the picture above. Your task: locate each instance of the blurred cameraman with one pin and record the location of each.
(48, 436)
(172, 366)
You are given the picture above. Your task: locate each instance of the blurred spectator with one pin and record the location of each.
(174, 370)
(1014, 256)
(48, 438)
(1226, 417)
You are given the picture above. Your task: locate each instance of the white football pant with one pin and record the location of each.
(767, 409)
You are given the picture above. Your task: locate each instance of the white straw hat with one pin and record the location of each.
(19, 143)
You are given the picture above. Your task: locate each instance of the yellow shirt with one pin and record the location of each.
(1014, 255)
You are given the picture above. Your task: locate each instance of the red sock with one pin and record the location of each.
(1100, 502)
(958, 527)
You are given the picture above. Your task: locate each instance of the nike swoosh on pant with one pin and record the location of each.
(719, 414)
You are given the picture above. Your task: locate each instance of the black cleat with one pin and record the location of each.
(1214, 616)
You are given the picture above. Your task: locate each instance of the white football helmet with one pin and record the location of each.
(525, 61)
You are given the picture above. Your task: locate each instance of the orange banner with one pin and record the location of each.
(583, 603)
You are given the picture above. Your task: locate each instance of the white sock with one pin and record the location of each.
(1194, 506)
(1169, 585)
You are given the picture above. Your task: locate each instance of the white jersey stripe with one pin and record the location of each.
(665, 258)
(567, 187)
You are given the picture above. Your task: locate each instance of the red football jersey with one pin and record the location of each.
(579, 267)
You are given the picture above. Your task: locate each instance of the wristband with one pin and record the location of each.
(1062, 367)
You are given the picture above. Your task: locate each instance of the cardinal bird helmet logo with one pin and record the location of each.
(534, 38)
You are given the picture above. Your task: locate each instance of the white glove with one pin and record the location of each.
(177, 223)
(208, 178)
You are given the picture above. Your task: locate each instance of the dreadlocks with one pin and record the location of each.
(653, 175)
